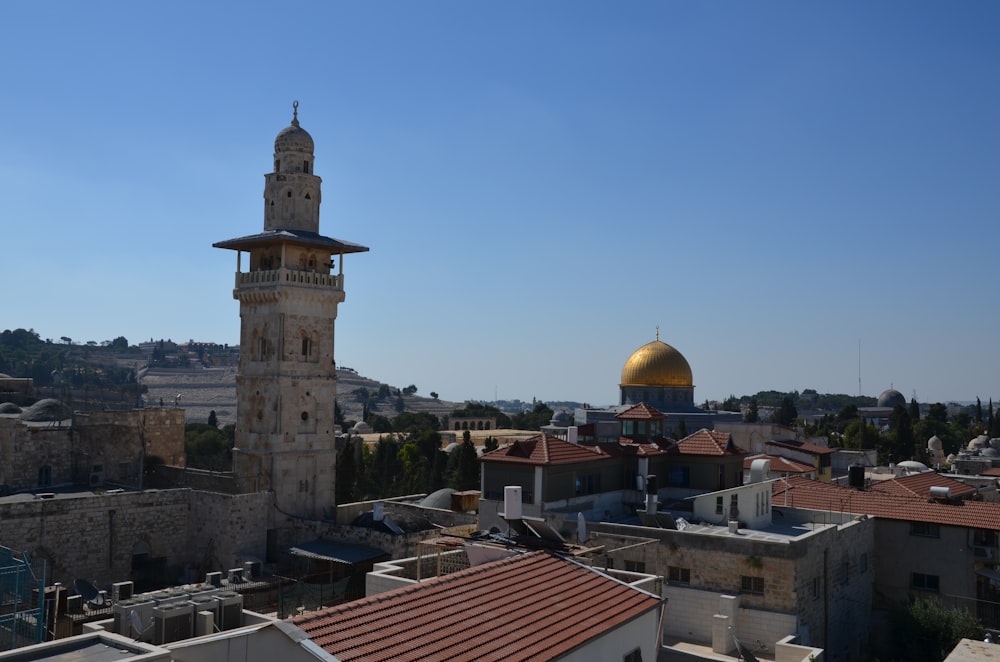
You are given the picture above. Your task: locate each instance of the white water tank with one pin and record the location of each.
(759, 469)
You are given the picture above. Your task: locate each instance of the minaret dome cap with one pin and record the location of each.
(294, 138)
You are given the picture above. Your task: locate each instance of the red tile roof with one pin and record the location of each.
(708, 442)
(641, 412)
(812, 449)
(919, 485)
(780, 464)
(528, 607)
(887, 503)
(545, 450)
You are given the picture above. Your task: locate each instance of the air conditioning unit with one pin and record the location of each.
(121, 591)
(123, 623)
(209, 603)
(230, 610)
(251, 570)
(214, 578)
(173, 622)
(143, 609)
(235, 575)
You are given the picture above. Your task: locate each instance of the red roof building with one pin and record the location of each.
(535, 606)
(931, 538)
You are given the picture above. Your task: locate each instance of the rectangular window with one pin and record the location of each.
(718, 505)
(589, 484)
(752, 585)
(635, 566)
(634, 656)
(678, 477)
(679, 575)
(922, 582)
(925, 529)
(815, 588)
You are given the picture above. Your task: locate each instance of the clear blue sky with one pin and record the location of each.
(541, 184)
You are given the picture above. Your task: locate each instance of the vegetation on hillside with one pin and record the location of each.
(88, 374)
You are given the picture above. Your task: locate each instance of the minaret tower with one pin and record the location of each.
(286, 383)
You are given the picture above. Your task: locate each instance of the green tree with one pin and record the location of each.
(414, 422)
(937, 412)
(347, 474)
(207, 447)
(752, 415)
(900, 441)
(539, 415)
(491, 444)
(379, 423)
(213, 420)
(914, 410)
(928, 630)
(682, 429)
(410, 390)
(466, 475)
(786, 413)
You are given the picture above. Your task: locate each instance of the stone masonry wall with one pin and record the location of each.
(226, 529)
(24, 449)
(93, 537)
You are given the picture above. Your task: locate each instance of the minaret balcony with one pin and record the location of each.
(266, 278)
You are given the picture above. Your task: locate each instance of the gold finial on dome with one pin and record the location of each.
(657, 331)
(295, 113)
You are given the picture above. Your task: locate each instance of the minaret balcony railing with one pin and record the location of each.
(273, 277)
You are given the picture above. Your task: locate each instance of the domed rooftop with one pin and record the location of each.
(560, 419)
(890, 398)
(294, 138)
(657, 364)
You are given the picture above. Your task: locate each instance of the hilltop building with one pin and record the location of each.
(286, 382)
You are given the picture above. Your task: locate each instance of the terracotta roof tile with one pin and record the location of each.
(887, 503)
(528, 607)
(641, 412)
(543, 449)
(780, 464)
(812, 449)
(708, 442)
(919, 485)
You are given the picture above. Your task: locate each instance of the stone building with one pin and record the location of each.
(286, 383)
(94, 449)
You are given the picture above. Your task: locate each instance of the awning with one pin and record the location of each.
(993, 575)
(336, 551)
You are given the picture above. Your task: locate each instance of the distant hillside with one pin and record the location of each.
(203, 390)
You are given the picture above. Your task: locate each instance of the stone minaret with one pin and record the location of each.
(286, 383)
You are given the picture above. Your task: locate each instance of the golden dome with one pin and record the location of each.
(657, 364)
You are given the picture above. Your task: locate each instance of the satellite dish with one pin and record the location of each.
(88, 592)
(745, 654)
